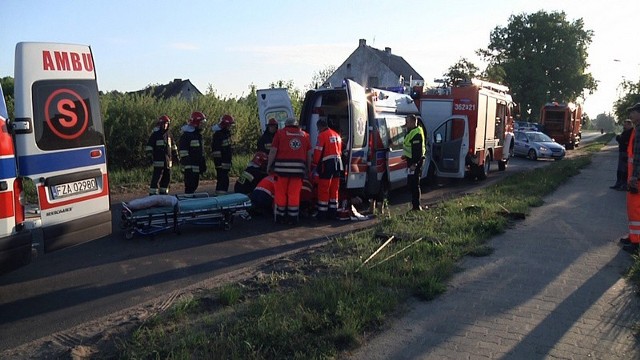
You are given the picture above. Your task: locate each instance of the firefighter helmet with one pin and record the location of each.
(272, 121)
(164, 119)
(226, 121)
(260, 159)
(197, 118)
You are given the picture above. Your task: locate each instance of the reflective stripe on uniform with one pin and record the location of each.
(194, 143)
(217, 153)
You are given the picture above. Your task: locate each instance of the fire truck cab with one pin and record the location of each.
(470, 125)
(55, 141)
(562, 122)
(371, 124)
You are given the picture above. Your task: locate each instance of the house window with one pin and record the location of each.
(373, 81)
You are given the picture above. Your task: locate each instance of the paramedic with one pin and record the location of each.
(289, 158)
(163, 150)
(328, 164)
(262, 196)
(264, 143)
(191, 152)
(221, 149)
(633, 197)
(413, 152)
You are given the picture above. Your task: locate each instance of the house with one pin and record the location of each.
(183, 89)
(371, 67)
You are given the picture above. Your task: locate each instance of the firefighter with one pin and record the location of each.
(221, 150)
(264, 143)
(290, 159)
(252, 174)
(327, 163)
(163, 150)
(192, 152)
(413, 152)
(633, 197)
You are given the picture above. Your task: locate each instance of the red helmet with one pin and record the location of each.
(226, 121)
(260, 159)
(164, 119)
(272, 121)
(197, 118)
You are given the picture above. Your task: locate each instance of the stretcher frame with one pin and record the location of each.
(195, 209)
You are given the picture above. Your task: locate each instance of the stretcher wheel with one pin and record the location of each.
(226, 226)
(129, 235)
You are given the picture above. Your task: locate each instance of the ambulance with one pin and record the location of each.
(471, 126)
(371, 124)
(55, 141)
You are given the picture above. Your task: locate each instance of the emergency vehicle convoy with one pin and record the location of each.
(562, 122)
(370, 122)
(469, 125)
(55, 140)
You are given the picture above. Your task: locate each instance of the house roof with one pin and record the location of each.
(396, 63)
(172, 89)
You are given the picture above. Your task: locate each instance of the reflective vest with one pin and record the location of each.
(293, 147)
(410, 139)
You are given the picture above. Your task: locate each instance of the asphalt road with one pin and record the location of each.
(67, 288)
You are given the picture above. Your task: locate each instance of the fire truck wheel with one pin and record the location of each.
(532, 155)
(483, 171)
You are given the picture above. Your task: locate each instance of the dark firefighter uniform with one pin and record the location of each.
(290, 157)
(328, 164)
(413, 151)
(163, 150)
(221, 150)
(191, 157)
(264, 142)
(252, 174)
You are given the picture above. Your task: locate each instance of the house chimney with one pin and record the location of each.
(177, 80)
(387, 50)
(362, 42)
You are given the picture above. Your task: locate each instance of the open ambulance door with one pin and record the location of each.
(358, 142)
(60, 144)
(274, 103)
(450, 145)
(15, 241)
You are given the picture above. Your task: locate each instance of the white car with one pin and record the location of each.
(534, 145)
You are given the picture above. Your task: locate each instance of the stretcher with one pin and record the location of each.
(157, 213)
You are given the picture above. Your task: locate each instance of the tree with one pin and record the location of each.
(631, 96)
(7, 84)
(321, 76)
(463, 70)
(605, 122)
(544, 58)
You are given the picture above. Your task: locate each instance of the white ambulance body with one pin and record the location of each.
(59, 142)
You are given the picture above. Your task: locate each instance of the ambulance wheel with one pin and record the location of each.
(128, 235)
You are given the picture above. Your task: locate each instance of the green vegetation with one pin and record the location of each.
(318, 303)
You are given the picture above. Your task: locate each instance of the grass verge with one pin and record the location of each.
(319, 303)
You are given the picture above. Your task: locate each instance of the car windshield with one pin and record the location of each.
(538, 137)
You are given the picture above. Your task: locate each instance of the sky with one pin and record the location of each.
(228, 46)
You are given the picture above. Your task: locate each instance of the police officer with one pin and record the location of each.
(192, 152)
(413, 152)
(290, 158)
(162, 150)
(264, 142)
(328, 164)
(221, 150)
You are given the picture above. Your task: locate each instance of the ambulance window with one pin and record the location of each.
(396, 131)
(281, 116)
(66, 114)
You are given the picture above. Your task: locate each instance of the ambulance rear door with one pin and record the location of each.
(15, 241)
(357, 143)
(60, 144)
(274, 103)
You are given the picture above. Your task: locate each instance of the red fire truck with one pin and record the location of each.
(562, 122)
(470, 125)
(56, 141)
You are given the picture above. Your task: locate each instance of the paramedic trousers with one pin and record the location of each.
(162, 177)
(413, 182)
(328, 186)
(633, 212)
(191, 181)
(287, 199)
